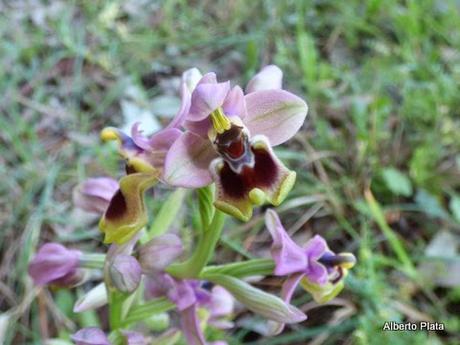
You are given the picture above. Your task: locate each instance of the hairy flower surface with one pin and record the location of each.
(228, 140)
(57, 265)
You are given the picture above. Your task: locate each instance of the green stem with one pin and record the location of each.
(92, 260)
(243, 269)
(115, 308)
(203, 251)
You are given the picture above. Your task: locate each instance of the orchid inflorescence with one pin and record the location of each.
(220, 144)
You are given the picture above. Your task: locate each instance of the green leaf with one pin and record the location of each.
(454, 206)
(243, 269)
(429, 204)
(167, 214)
(395, 243)
(146, 310)
(397, 182)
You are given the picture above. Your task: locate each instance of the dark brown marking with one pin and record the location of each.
(117, 206)
(263, 175)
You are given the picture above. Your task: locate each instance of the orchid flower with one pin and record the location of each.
(318, 270)
(187, 294)
(229, 138)
(57, 265)
(144, 157)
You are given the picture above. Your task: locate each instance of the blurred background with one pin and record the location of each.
(378, 160)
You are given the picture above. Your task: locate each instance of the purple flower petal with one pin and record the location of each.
(222, 302)
(182, 293)
(139, 139)
(186, 102)
(94, 194)
(200, 128)
(190, 325)
(277, 114)
(289, 257)
(90, 336)
(269, 78)
(206, 98)
(235, 104)
(208, 78)
(157, 285)
(160, 252)
(52, 262)
(316, 247)
(187, 162)
(317, 273)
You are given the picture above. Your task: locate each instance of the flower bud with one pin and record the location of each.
(55, 264)
(125, 273)
(258, 301)
(160, 252)
(93, 299)
(90, 336)
(133, 338)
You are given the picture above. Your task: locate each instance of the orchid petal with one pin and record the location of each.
(94, 194)
(200, 128)
(186, 102)
(288, 256)
(277, 114)
(206, 98)
(222, 302)
(269, 78)
(182, 294)
(187, 162)
(191, 78)
(234, 103)
(139, 139)
(317, 273)
(126, 213)
(191, 328)
(316, 247)
(208, 78)
(157, 285)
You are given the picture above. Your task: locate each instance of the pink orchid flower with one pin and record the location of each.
(229, 138)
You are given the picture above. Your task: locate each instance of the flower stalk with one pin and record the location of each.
(203, 251)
